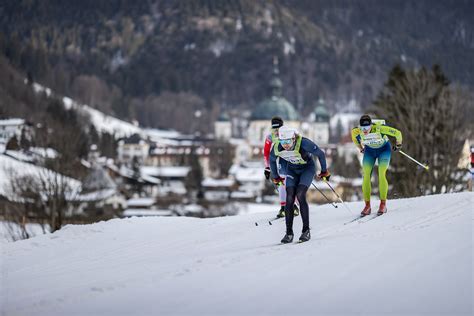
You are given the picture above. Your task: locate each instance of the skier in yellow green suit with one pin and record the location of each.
(371, 138)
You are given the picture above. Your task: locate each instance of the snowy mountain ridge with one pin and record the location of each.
(105, 123)
(416, 259)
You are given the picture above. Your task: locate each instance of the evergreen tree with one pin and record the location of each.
(13, 144)
(194, 180)
(429, 113)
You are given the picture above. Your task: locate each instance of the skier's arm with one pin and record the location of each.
(355, 135)
(312, 148)
(266, 151)
(390, 131)
(273, 164)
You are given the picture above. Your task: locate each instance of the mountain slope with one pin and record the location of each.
(415, 259)
(110, 54)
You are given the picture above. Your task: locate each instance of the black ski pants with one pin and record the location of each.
(298, 192)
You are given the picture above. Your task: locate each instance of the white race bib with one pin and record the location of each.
(291, 157)
(372, 140)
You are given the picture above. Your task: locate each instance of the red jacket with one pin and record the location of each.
(267, 147)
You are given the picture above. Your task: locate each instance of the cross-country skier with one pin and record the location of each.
(371, 139)
(298, 153)
(276, 122)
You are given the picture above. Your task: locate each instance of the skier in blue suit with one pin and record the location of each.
(297, 151)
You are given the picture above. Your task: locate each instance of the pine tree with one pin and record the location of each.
(429, 112)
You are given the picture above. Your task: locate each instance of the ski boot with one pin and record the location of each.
(287, 238)
(281, 212)
(296, 210)
(305, 236)
(382, 208)
(366, 211)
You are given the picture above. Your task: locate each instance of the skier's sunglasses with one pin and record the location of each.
(286, 141)
(365, 128)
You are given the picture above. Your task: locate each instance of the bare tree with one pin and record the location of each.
(40, 196)
(431, 115)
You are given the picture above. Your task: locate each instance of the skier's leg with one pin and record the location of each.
(290, 199)
(306, 179)
(282, 192)
(384, 162)
(291, 179)
(304, 208)
(367, 166)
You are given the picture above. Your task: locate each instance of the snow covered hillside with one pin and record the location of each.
(416, 259)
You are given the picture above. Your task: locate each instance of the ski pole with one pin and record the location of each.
(339, 198)
(274, 219)
(332, 203)
(419, 163)
(275, 187)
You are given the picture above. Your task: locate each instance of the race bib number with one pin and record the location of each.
(372, 139)
(292, 158)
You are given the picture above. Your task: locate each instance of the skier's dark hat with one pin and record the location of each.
(365, 120)
(277, 122)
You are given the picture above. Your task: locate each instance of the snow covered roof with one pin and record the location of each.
(141, 212)
(19, 155)
(12, 122)
(97, 179)
(193, 208)
(44, 152)
(217, 183)
(168, 172)
(242, 195)
(10, 168)
(176, 187)
(250, 174)
(98, 195)
(150, 179)
(143, 202)
(159, 134)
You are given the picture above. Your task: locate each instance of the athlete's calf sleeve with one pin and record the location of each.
(366, 183)
(383, 182)
(290, 200)
(304, 208)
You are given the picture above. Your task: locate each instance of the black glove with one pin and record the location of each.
(397, 147)
(267, 173)
(324, 175)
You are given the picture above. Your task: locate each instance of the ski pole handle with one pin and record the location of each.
(414, 160)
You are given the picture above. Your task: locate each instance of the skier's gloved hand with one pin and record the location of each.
(267, 173)
(278, 181)
(397, 147)
(362, 150)
(324, 175)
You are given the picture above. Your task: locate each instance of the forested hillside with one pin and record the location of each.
(135, 59)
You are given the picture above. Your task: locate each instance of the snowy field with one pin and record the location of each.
(415, 260)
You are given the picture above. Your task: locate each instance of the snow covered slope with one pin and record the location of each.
(416, 259)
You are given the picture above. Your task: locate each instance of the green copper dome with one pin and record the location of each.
(224, 117)
(274, 106)
(321, 114)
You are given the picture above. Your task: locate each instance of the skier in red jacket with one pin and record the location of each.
(277, 122)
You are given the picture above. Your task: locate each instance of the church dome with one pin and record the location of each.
(274, 106)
